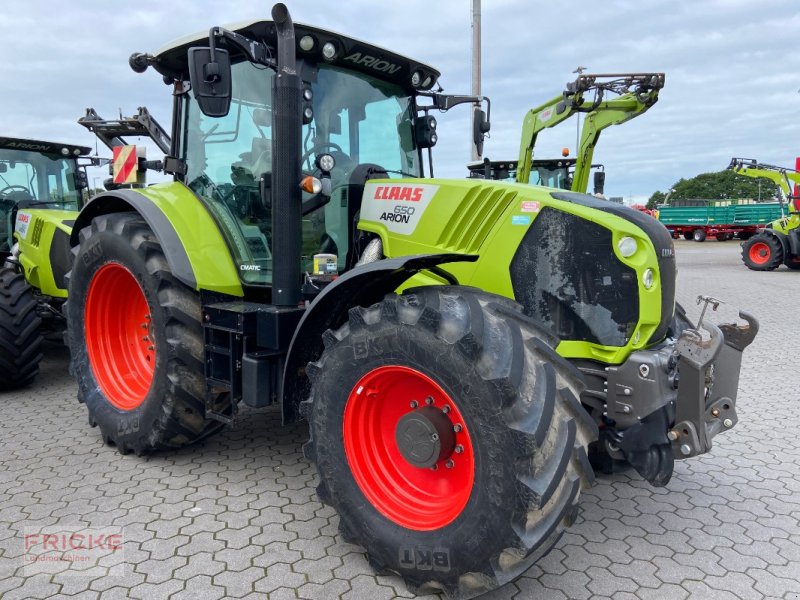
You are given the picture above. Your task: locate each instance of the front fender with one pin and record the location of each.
(192, 242)
(362, 286)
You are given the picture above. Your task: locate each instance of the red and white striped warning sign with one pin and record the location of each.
(125, 164)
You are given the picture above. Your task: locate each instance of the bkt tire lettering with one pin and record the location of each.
(425, 559)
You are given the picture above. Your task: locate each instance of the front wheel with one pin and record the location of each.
(449, 437)
(136, 339)
(762, 252)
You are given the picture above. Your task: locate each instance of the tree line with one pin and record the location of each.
(721, 185)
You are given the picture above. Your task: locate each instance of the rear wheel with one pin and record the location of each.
(699, 235)
(20, 331)
(688, 235)
(723, 237)
(449, 437)
(136, 339)
(762, 252)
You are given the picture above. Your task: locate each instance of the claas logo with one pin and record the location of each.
(399, 192)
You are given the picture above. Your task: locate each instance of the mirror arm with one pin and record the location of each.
(254, 51)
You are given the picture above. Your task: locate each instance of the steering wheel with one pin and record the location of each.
(317, 149)
(9, 188)
(5, 194)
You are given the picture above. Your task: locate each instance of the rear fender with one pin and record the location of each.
(192, 242)
(362, 286)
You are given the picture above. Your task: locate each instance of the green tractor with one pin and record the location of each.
(591, 94)
(41, 191)
(457, 346)
(779, 242)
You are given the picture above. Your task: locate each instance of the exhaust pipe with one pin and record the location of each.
(287, 122)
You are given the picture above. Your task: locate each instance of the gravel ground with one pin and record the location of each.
(237, 516)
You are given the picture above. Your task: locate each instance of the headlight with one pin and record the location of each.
(326, 163)
(648, 279)
(627, 246)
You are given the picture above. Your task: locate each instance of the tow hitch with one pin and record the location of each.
(708, 381)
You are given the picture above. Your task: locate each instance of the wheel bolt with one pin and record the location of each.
(459, 449)
(429, 400)
(145, 339)
(449, 464)
(435, 437)
(414, 404)
(445, 409)
(435, 468)
(457, 427)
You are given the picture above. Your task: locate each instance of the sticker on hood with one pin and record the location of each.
(399, 206)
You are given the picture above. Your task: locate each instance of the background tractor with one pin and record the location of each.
(41, 190)
(455, 345)
(779, 242)
(589, 94)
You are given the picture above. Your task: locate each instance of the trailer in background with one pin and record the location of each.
(698, 219)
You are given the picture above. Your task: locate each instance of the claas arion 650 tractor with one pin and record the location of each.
(455, 345)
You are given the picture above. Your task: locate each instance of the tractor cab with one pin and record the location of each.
(36, 174)
(359, 119)
(553, 173)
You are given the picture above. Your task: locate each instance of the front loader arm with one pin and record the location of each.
(782, 177)
(611, 112)
(637, 92)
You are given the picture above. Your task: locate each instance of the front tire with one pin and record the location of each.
(20, 331)
(482, 507)
(136, 339)
(762, 252)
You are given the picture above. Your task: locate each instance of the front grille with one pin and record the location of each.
(477, 213)
(566, 276)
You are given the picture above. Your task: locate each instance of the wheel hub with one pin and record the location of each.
(425, 436)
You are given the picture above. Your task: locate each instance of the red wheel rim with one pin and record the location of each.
(421, 499)
(119, 338)
(759, 253)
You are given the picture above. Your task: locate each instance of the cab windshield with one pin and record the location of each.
(36, 177)
(33, 179)
(359, 120)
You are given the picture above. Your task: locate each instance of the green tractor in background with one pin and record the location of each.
(456, 345)
(590, 94)
(779, 242)
(41, 191)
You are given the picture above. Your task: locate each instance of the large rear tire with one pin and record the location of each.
(699, 235)
(762, 252)
(461, 379)
(136, 339)
(20, 331)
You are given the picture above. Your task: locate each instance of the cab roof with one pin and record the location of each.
(12, 143)
(351, 53)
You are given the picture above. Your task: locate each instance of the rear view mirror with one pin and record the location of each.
(210, 74)
(480, 127)
(599, 182)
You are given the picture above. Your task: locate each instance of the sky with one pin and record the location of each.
(732, 71)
